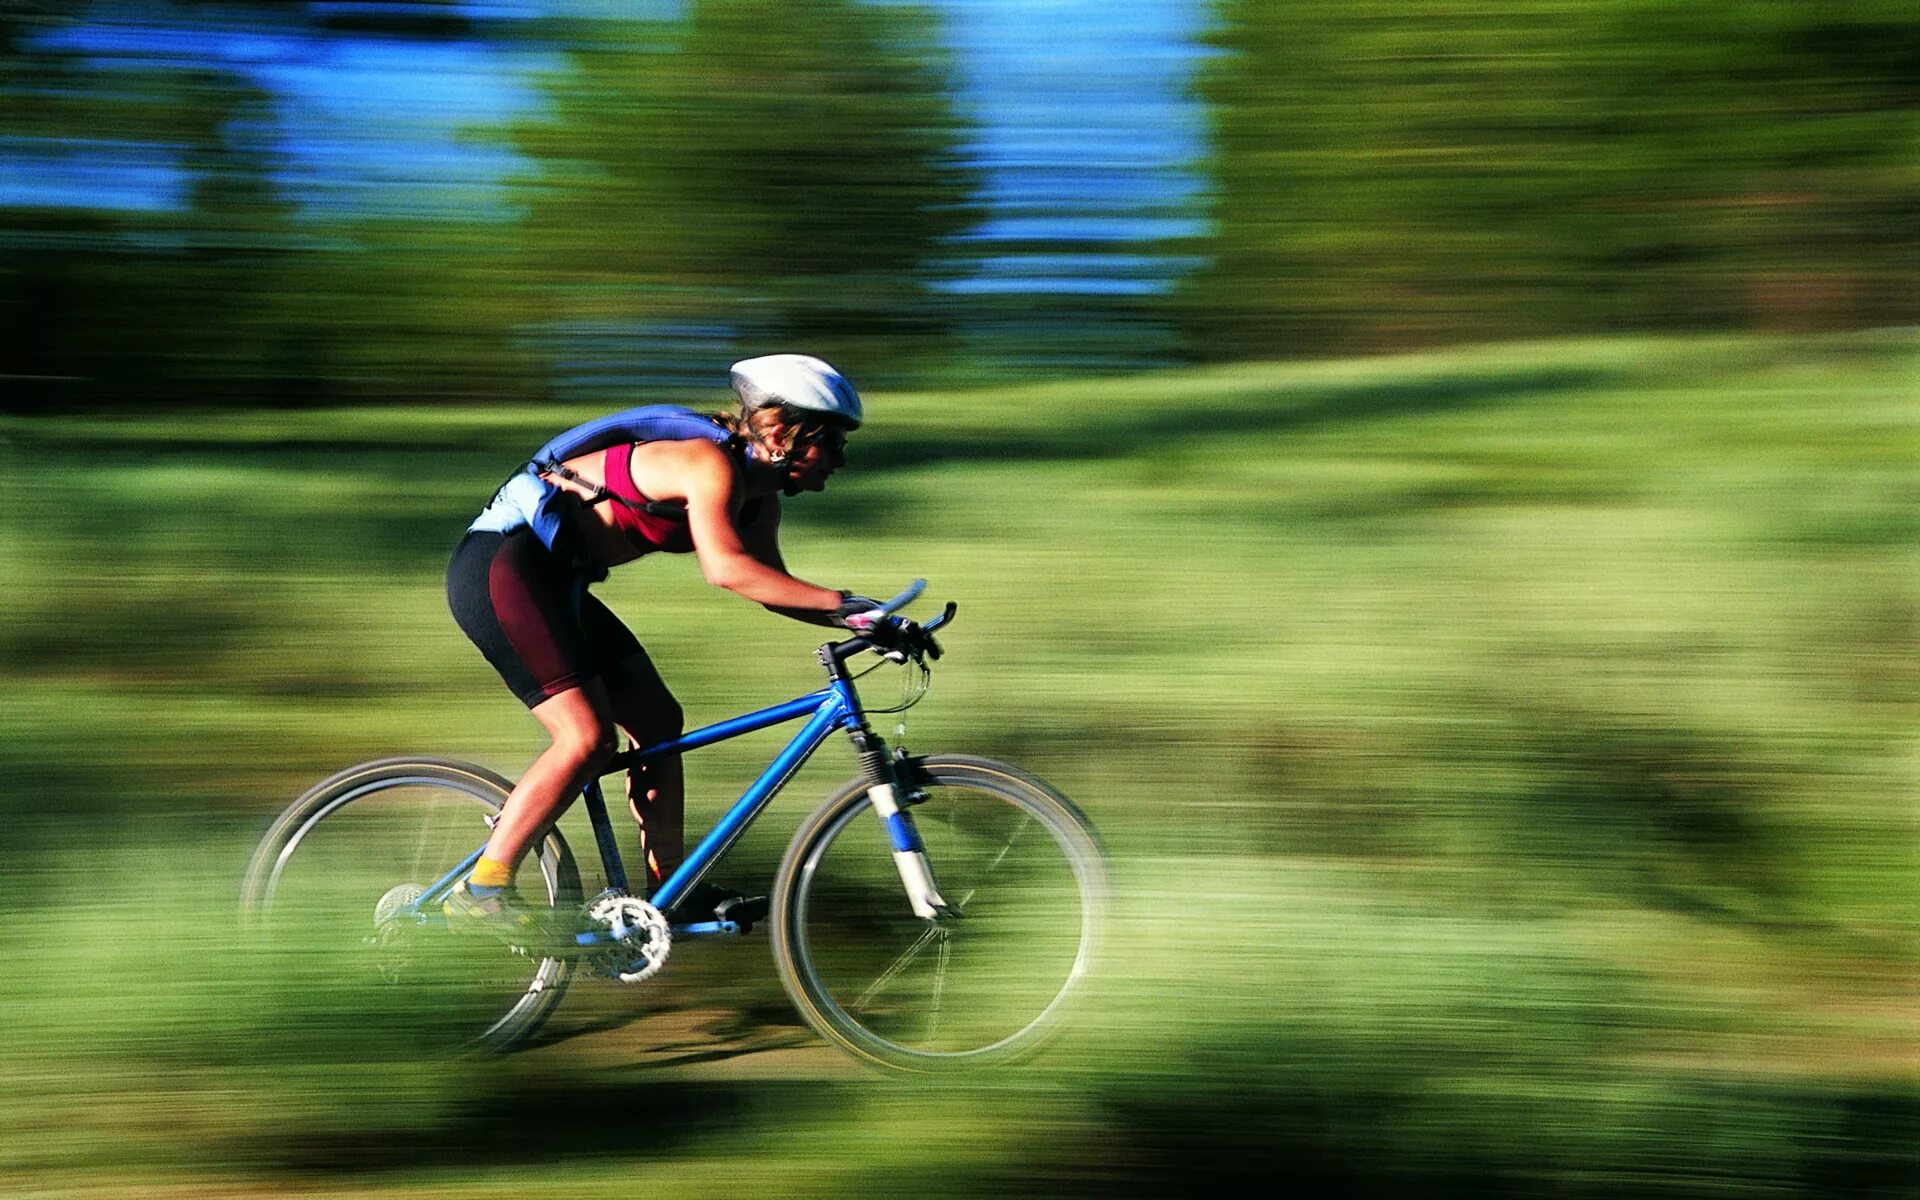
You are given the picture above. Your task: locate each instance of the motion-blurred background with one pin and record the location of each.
(1436, 483)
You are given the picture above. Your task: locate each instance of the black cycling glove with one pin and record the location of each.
(858, 613)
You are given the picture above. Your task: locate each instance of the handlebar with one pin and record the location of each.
(911, 594)
(906, 639)
(907, 597)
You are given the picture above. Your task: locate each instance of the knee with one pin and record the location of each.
(587, 746)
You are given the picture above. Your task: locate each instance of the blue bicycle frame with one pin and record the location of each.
(834, 707)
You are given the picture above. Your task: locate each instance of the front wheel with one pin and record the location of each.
(1025, 876)
(337, 887)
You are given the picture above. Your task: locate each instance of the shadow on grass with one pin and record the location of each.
(1704, 1139)
(750, 1029)
(546, 1123)
(1674, 818)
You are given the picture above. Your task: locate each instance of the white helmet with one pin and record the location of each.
(797, 381)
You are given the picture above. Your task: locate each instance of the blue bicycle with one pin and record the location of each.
(937, 911)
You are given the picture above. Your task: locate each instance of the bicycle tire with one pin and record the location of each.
(840, 915)
(338, 855)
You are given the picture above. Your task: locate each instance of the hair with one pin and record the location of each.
(751, 426)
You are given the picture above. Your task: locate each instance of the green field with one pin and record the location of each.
(1507, 755)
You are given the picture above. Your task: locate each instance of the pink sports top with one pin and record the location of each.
(668, 535)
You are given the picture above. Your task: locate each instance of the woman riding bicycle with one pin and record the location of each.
(660, 479)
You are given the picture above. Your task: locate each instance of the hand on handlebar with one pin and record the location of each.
(894, 636)
(859, 614)
(876, 624)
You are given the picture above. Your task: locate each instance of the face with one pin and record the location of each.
(815, 456)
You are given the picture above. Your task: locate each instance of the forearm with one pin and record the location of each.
(747, 577)
(811, 616)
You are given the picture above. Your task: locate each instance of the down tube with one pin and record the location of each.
(744, 810)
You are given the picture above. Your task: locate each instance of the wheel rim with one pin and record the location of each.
(989, 984)
(401, 981)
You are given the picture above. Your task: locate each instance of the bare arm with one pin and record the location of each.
(701, 474)
(762, 539)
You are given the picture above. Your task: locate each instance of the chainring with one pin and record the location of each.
(641, 937)
(392, 938)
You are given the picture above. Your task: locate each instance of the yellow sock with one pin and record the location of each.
(488, 873)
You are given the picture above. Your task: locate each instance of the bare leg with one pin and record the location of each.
(657, 797)
(581, 725)
(656, 790)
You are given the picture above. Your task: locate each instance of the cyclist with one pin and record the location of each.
(659, 479)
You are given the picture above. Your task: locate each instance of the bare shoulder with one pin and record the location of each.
(683, 470)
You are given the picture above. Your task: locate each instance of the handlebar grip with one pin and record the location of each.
(907, 597)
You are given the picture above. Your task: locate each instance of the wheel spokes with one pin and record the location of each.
(1025, 900)
(1018, 830)
(399, 972)
(898, 965)
(945, 956)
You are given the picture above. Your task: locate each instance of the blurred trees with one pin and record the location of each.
(751, 174)
(736, 175)
(757, 174)
(1392, 173)
(160, 301)
(219, 289)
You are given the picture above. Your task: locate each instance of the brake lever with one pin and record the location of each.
(916, 644)
(945, 616)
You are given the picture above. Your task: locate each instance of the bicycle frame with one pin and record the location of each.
(833, 708)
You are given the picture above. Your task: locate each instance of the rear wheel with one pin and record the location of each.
(1026, 876)
(334, 883)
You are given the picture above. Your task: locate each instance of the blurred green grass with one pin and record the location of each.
(1507, 755)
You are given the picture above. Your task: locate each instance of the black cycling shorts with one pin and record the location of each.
(514, 599)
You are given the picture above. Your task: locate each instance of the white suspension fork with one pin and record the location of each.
(909, 855)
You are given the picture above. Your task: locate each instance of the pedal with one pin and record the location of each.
(743, 911)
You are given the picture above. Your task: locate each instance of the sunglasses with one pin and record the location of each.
(831, 438)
